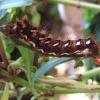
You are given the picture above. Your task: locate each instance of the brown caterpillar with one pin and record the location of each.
(47, 46)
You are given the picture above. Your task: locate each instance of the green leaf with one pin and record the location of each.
(5, 95)
(48, 66)
(4, 4)
(8, 45)
(27, 55)
(19, 63)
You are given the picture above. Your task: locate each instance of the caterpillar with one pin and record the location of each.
(44, 44)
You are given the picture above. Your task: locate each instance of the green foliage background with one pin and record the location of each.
(28, 82)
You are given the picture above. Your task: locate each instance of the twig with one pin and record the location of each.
(77, 3)
(63, 85)
(91, 73)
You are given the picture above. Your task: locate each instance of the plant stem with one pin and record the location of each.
(3, 55)
(87, 74)
(91, 73)
(62, 85)
(66, 90)
(63, 82)
(77, 3)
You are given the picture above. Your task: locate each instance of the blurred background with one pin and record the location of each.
(63, 20)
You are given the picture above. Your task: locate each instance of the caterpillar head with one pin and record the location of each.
(15, 28)
(5, 28)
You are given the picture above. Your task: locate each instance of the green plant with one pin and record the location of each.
(23, 72)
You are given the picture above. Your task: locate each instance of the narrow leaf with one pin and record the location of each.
(48, 66)
(27, 55)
